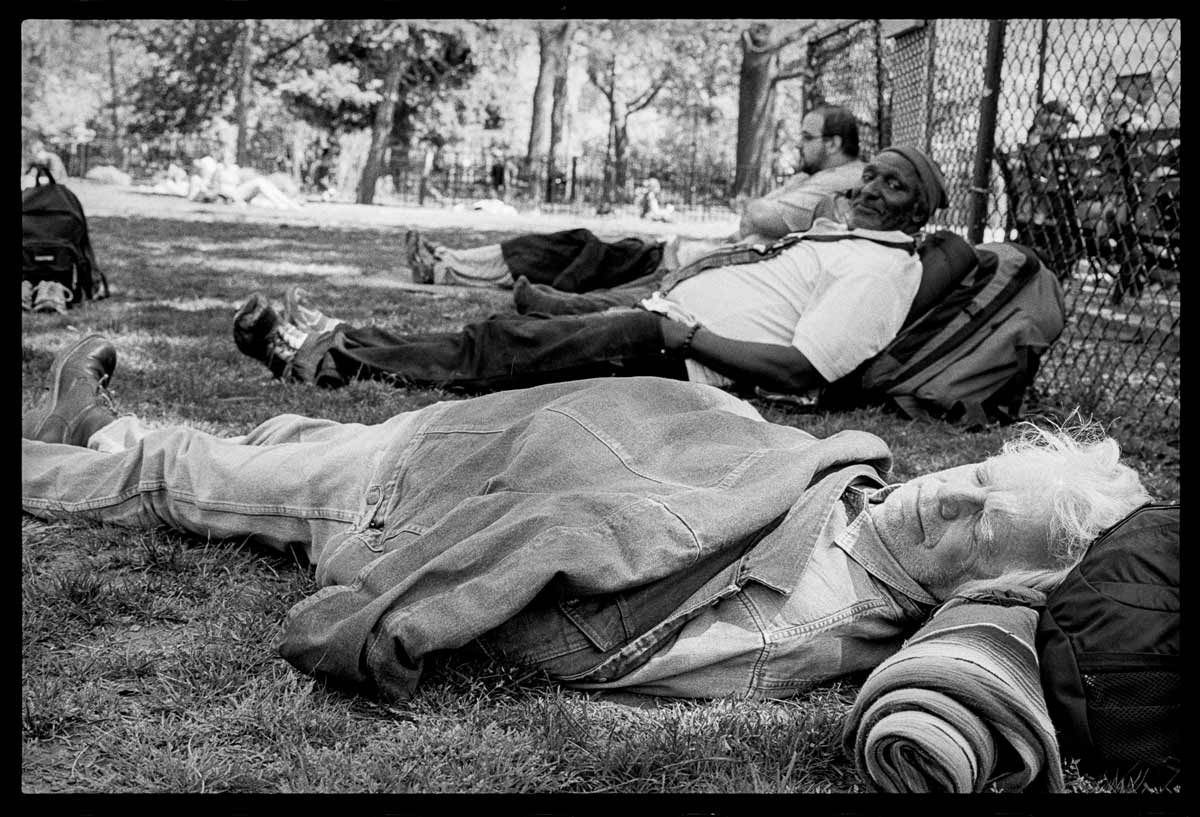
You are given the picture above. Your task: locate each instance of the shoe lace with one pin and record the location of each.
(286, 340)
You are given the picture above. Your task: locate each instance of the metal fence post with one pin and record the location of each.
(985, 144)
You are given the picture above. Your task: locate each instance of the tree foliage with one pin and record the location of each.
(663, 92)
(630, 62)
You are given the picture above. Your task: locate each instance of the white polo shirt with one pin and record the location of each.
(837, 302)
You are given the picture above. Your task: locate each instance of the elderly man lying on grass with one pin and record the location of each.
(801, 314)
(645, 534)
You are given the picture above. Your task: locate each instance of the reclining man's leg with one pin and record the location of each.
(506, 352)
(530, 298)
(502, 352)
(569, 260)
(291, 482)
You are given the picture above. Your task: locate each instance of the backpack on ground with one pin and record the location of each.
(55, 245)
(973, 353)
(1108, 646)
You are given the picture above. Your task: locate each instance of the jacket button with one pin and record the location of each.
(373, 495)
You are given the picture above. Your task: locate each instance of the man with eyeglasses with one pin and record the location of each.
(578, 261)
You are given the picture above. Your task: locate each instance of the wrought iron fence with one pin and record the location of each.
(1084, 168)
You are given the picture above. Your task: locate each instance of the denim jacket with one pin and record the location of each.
(568, 500)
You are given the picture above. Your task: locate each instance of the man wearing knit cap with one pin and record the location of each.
(788, 317)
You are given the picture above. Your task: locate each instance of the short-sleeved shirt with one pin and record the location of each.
(803, 198)
(837, 302)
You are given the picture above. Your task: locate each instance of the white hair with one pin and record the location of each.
(1090, 491)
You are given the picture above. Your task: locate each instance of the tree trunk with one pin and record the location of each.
(118, 139)
(244, 91)
(381, 130)
(620, 144)
(562, 56)
(542, 98)
(756, 108)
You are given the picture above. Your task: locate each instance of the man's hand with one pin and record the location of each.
(772, 366)
(668, 309)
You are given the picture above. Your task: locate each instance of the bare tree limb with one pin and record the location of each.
(792, 71)
(648, 95)
(283, 49)
(594, 78)
(792, 36)
(778, 43)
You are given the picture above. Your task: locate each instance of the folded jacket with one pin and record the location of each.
(959, 708)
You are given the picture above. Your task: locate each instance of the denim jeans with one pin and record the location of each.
(507, 352)
(292, 483)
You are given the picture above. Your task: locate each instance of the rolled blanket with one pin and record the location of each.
(958, 709)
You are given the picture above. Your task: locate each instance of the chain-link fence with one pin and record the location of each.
(848, 66)
(1083, 167)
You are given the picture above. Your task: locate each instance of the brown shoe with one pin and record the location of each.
(78, 405)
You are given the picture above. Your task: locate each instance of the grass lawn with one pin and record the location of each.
(147, 657)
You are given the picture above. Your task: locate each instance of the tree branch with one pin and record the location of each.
(777, 44)
(791, 37)
(795, 69)
(278, 52)
(648, 95)
(592, 75)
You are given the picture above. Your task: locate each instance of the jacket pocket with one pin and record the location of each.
(345, 555)
(562, 638)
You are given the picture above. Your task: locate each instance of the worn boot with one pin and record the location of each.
(260, 333)
(78, 404)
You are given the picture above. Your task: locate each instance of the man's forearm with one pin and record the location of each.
(764, 218)
(774, 367)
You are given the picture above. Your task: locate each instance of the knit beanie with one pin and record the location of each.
(933, 184)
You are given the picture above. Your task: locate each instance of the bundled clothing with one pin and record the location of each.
(959, 709)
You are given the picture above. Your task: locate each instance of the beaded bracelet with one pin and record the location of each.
(687, 342)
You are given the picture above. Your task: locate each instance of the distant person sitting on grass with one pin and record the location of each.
(790, 320)
(651, 535)
(174, 181)
(216, 181)
(578, 261)
(648, 204)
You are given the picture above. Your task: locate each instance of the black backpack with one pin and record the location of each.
(1108, 646)
(971, 355)
(54, 239)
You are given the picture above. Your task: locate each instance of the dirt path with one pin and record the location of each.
(110, 200)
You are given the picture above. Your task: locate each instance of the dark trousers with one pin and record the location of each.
(530, 298)
(506, 352)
